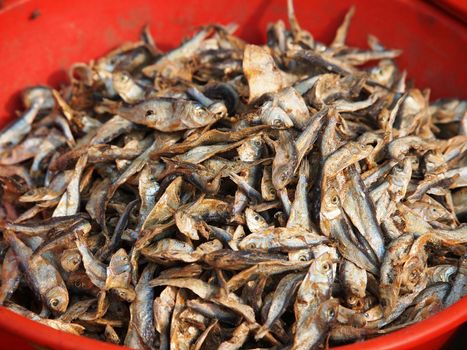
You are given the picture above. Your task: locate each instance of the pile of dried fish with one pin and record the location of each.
(233, 196)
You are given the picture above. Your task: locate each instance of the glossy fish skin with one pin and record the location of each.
(56, 240)
(237, 260)
(361, 211)
(440, 273)
(458, 285)
(307, 138)
(142, 316)
(111, 129)
(126, 87)
(169, 249)
(299, 214)
(21, 127)
(10, 276)
(94, 268)
(118, 271)
(345, 156)
(284, 162)
(254, 221)
(270, 114)
(333, 221)
(354, 279)
(249, 151)
(69, 202)
(166, 114)
(168, 202)
(33, 229)
(395, 256)
(281, 238)
(268, 191)
(315, 287)
(163, 306)
(282, 296)
(72, 328)
(42, 276)
(213, 311)
(311, 329)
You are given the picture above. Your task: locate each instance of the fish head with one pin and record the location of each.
(70, 260)
(254, 221)
(301, 255)
(57, 299)
(355, 302)
(330, 205)
(120, 262)
(322, 272)
(358, 149)
(218, 107)
(126, 294)
(282, 175)
(255, 242)
(328, 310)
(250, 150)
(279, 118)
(121, 81)
(35, 94)
(199, 113)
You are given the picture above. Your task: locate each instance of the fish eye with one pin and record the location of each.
(331, 313)
(302, 258)
(54, 302)
(149, 112)
(251, 246)
(325, 266)
(284, 177)
(78, 284)
(272, 191)
(124, 77)
(75, 261)
(277, 122)
(398, 168)
(257, 217)
(125, 259)
(335, 200)
(257, 143)
(433, 209)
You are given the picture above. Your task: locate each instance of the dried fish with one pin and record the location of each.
(225, 195)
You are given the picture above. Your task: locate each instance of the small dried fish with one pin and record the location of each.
(225, 195)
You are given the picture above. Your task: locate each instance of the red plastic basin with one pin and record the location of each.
(37, 49)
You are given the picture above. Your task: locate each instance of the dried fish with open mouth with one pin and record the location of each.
(226, 195)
